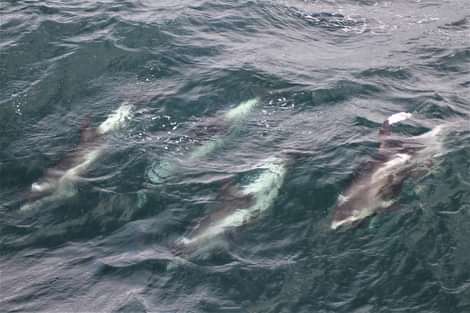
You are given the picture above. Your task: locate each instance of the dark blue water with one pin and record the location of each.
(322, 75)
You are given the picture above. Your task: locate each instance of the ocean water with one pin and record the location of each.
(253, 116)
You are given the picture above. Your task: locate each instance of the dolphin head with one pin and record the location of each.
(366, 198)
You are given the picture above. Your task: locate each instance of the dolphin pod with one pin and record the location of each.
(374, 190)
(58, 183)
(377, 188)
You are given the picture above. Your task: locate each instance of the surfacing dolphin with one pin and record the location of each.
(239, 204)
(59, 182)
(218, 128)
(377, 188)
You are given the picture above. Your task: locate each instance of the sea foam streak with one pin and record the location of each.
(398, 117)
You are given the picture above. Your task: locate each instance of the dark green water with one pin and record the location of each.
(325, 75)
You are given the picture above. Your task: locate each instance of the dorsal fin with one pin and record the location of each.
(87, 132)
(228, 191)
(385, 130)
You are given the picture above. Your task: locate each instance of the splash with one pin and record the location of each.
(398, 117)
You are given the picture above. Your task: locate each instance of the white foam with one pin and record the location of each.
(41, 187)
(432, 141)
(342, 199)
(116, 119)
(398, 117)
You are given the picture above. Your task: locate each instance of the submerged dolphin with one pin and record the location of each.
(378, 187)
(220, 127)
(239, 205)
(59, 182)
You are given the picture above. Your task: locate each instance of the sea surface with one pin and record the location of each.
(203, 104)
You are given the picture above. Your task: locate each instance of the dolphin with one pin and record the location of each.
(382, 180)
(58, 182)
(238, 205)
(219, 128)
